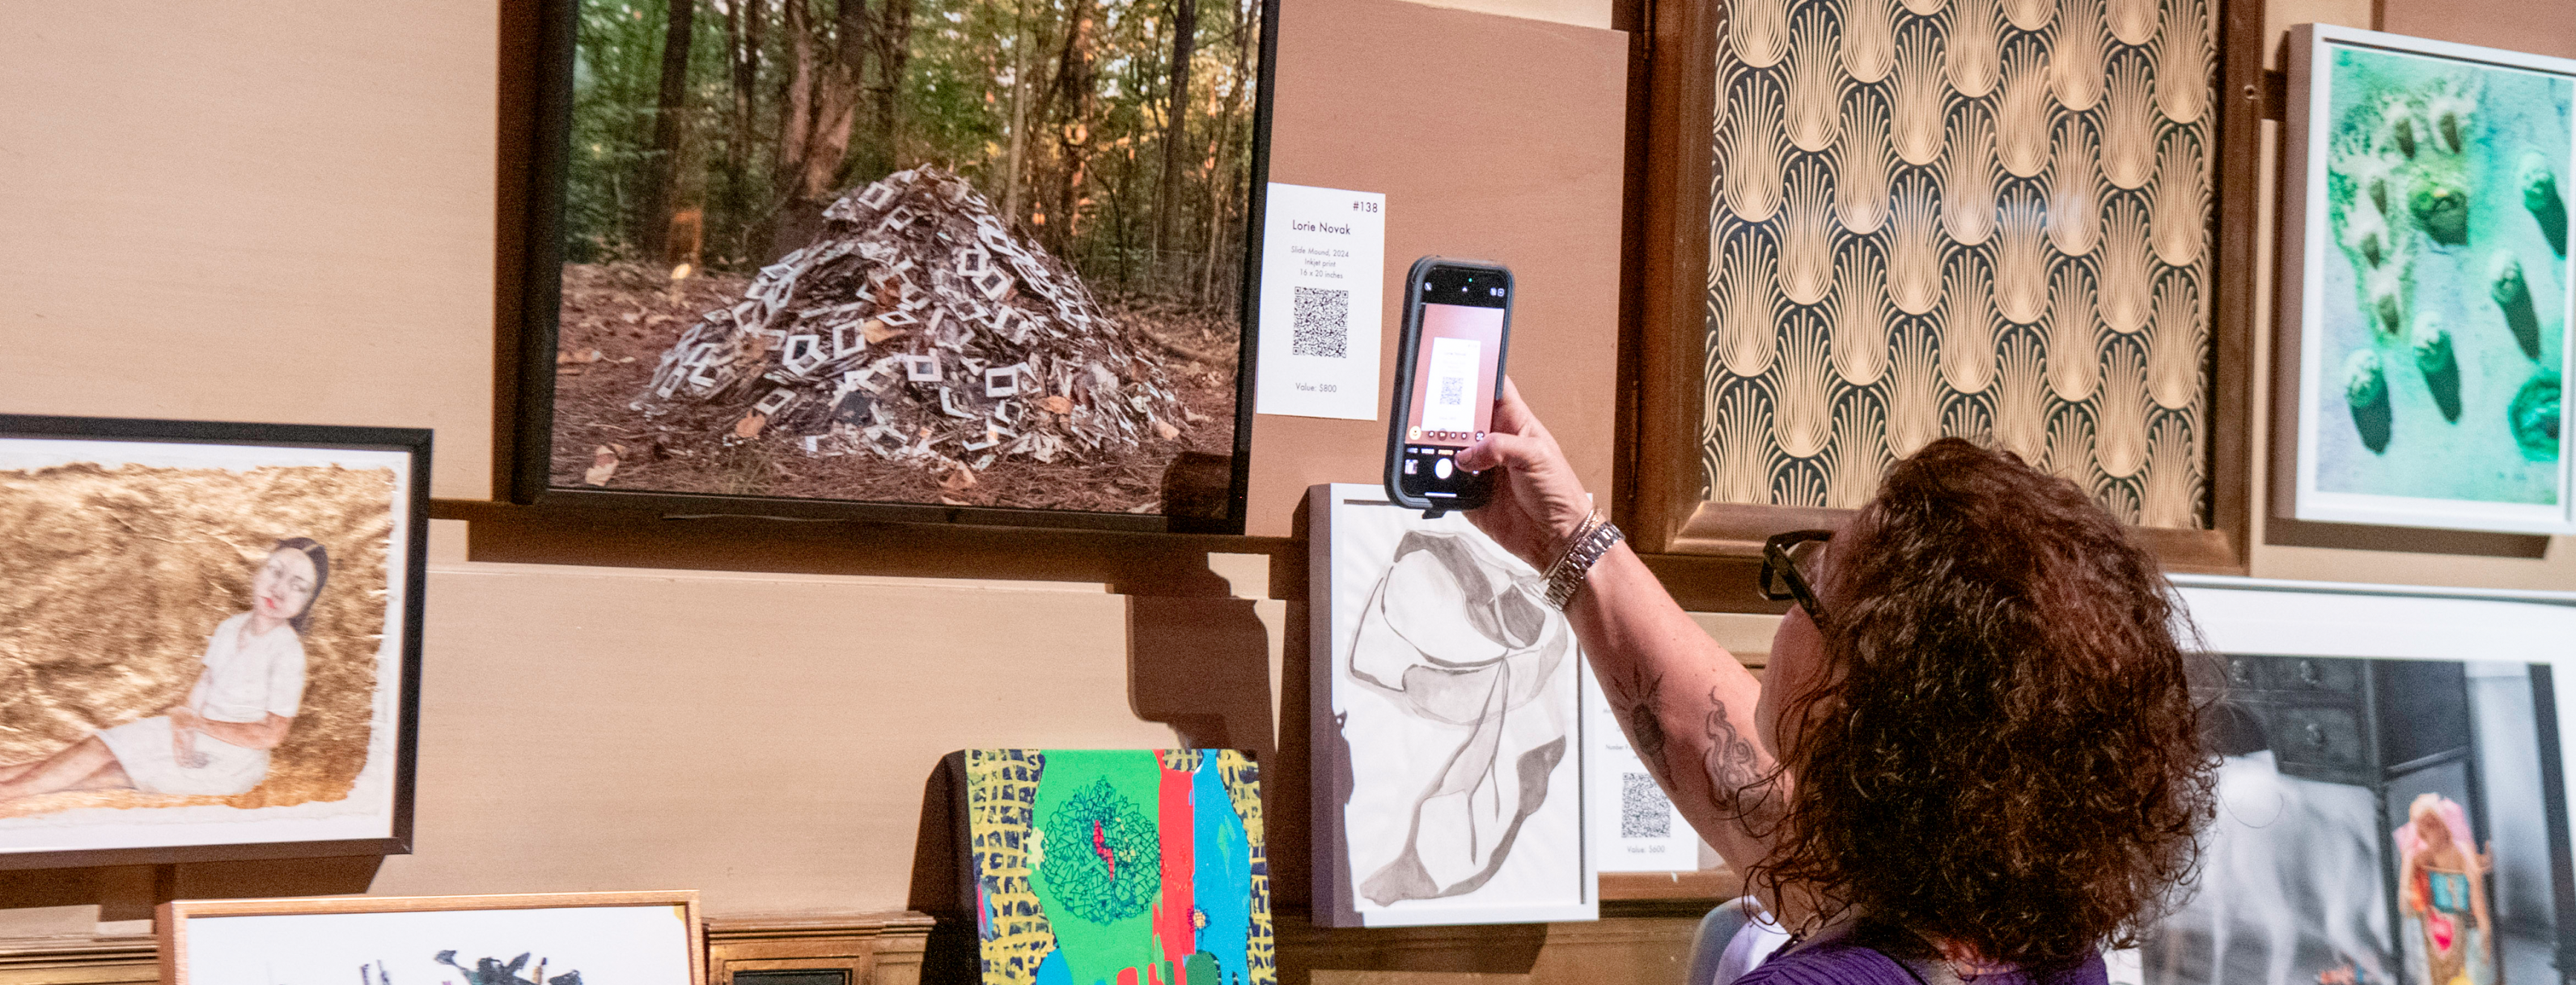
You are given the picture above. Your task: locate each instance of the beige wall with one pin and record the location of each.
(269, 210)
(284, 211)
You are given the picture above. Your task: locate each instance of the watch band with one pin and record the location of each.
(1591, 540)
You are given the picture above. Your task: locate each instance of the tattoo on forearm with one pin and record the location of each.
(1645, 724)
(1735, 779)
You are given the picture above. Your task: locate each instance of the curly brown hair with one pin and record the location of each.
(2001, 751)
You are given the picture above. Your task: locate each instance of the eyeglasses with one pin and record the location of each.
(1786, 560)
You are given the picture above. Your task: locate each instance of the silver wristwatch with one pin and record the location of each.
(1591, 540)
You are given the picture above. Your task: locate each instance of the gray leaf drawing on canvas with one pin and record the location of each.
(1455, 634)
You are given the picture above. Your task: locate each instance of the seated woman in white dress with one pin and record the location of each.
(244, 702)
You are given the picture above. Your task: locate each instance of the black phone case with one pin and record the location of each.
(1407, 341)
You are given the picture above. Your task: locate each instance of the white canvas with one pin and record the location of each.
(1448, 726)
(602, 945)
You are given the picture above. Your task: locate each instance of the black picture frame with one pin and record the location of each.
(413, 528)
(531, 445)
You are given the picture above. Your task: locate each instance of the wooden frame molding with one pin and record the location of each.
(1671, 170)
(876, 948)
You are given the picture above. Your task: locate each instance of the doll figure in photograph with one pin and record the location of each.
(242, 705)
(2442, 885)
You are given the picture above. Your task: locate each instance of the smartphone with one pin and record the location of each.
(1449, 371)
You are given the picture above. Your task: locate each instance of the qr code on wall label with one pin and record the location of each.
(1323, 323)
(1643, 810)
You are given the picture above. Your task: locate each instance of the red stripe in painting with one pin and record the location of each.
(1172, 917)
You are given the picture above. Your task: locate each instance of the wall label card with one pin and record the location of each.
(1634, 826)
(1323, 274)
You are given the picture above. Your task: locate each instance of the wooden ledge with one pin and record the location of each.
(797, 926)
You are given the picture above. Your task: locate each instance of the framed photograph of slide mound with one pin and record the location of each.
(983, 262)
(210, 638)
(651, 938)
(2424, 334)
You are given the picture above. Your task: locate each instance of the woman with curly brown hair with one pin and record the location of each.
(1973, 753)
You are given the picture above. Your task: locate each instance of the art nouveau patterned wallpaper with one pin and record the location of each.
(1986, 218)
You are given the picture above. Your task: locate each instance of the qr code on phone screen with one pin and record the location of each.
(1323, 323)
(1453, 391)
(1643, 811)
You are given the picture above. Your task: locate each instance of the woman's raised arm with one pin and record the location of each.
(1687, 705)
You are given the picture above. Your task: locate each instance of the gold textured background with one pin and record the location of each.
(115, 577)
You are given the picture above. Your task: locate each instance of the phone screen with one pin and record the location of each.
(1453, 375)
(1457, 362)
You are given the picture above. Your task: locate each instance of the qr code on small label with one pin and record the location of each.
(1453, 391)
(1323, 323)
(1643, 811)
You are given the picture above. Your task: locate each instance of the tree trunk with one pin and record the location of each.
(743, 21)
(1069, 105)
(796, 105)
(663, 166)
(891, 45)
(1185, 29)
(1221, 181)
(815, 133)
(1015, 158)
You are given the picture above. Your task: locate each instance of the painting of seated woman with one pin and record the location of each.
(202, 645)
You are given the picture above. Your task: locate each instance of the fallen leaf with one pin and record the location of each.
(603, 464)
(958, 480)
(1167, 431)
(681, 272)
(1192, 416)
(750, 425)
(876, 331)
(568, 357)
(1056, 405)
(954, 501)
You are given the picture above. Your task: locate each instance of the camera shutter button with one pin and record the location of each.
(1442, 468)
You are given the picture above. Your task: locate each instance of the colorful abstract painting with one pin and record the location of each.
(1119, 867)
(2434, 303)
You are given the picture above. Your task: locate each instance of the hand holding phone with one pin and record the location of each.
(1449, 370)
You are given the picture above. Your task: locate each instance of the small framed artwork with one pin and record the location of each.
(2426, 209)
(1449, 755)
(211, 639)
(1104, 865)
(649, 938)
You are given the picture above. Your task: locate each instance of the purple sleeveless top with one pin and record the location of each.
(1832, 963)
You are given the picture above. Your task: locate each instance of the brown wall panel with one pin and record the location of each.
(2541, 27)
(1493, 137)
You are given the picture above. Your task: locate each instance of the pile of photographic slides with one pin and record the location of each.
(917, 328)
